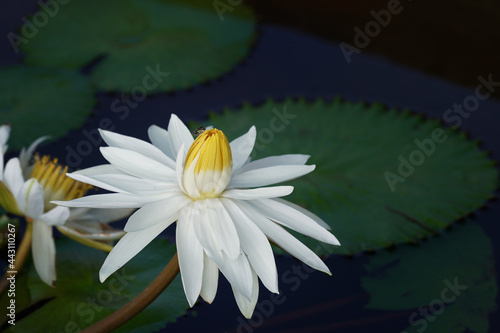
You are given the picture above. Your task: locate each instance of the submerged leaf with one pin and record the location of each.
(451, 278)
(354, 146)
(80, 300)
(144, 46)
(40, 101)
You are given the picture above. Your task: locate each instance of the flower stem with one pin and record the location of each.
(87, 242)
(20, 258)
(140, 302)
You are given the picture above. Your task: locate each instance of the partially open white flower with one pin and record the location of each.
(225, 217)
(26, 189)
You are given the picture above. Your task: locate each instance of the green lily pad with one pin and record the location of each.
(451, 278)
(79, 299)
(39, 102)
(354, 147)
(144, 46)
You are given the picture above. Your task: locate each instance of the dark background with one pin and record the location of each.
(428, 58)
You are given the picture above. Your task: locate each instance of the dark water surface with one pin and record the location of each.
(288, 63)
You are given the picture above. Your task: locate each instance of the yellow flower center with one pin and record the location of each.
(56, 185)
(208, 166)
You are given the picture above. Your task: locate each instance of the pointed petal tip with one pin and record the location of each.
(248, 315)
(333, 240)
(275, 289)
(191, 302)
(208, 300)
(102, 276)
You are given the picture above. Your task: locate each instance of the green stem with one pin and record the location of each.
(21, 255)
(140, 302)
(87, 242)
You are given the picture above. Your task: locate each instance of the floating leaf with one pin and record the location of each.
(451, 278)
(79, 299)
(138, 42)
(353, 147)
(38, 102)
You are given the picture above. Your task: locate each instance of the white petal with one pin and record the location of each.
(215, 230)
(242, 147)
(294, 220)
(102, 169)
(137, 164)
(123, 183)
(224, 229)
(139, 146)
(160, 138)
(30, 199)
(178, 167)
(284, 239)
(239, 274)
(44, 252)
(258, 193)
(205, 233)
(26, 155)
(56, 216)
(304, 211)
(13, 176)
(1, 164)
(210, 279)
(288, 159)
(127, 247)
(189, 180)
(255, 245)
(102, 215)
(77, 213)
(112, 200)
(269, 175)
(178, 134)
(92, 231)
(157, 212)
(190, 255)
(247, 306)
(4, 135)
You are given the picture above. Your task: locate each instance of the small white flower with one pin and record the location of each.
(26, 189)
(225, 218)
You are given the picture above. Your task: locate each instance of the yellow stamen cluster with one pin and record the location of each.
(56, 185)
(211, 173)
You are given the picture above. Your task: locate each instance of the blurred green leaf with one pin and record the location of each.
(79, 299)
(5, 221)
(420, 277)
(353, 145)
(135, 38)
(39, 101)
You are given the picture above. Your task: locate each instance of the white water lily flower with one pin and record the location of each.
(225, 217)
(26, 189)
